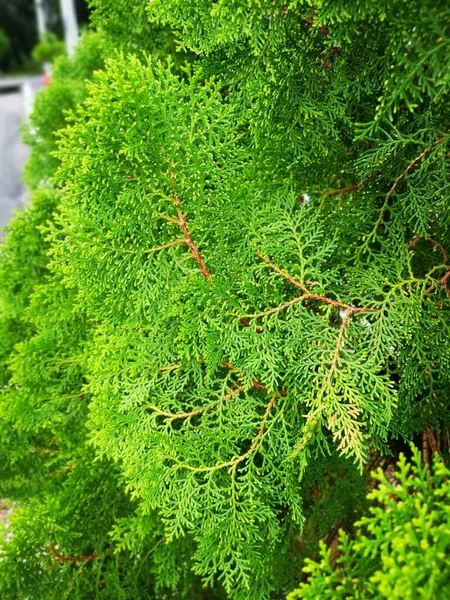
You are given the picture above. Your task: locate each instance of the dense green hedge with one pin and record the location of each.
(228, 291)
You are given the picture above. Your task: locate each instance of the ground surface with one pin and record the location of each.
(15, 101)
(12, 155)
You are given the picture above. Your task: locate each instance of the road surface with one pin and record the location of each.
(13, 154)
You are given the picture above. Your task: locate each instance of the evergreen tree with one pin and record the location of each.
(229, 292)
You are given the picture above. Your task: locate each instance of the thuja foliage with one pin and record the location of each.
(229, 289)
(400, 549)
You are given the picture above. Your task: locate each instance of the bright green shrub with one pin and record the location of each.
(18, 273)
(246, 293)
(24, 275)
(63, 541)
(49, 48)
(52, 104)
(125, 26)
(400, 550)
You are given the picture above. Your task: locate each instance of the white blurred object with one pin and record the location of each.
(70, 24)
(40, 17)
(28, 98)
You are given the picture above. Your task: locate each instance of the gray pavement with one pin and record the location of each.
(13, 154)
(14, 83)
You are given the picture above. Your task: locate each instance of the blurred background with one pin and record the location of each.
(32, 34)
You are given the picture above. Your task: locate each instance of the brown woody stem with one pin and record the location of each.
(346, 190)
(62, 559)
(309, 295)
(193, 248)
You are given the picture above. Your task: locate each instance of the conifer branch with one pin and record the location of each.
(256, 441)
(392, 189)
(229, 365)
(254, 383)
(61, 471)
(278, 308)
(169, 219)
(284, 274)
(164, 246)
(193, 413)
(235, 392)
(174, 416)
(337, 351)
(443, 281)
(414, 242)
(152, 250)
(192, 246)
(312, 417)
(310, 295)
(182, 224)
(350, 188)
(414, 162)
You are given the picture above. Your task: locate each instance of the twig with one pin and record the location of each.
(229, 365)
(242, 457)
(351, 188)
(312, 417)
(193, 248)
(310, 295)
(182, 224)
(151, 250)
(254, 383)
(442, 281)
(174, 416)
(164, 246)
(414, 242)
(193, 413)
(61, 559)
(169, 219)
(61, 471)
(284, 274)
(277, 308)
(399, 178)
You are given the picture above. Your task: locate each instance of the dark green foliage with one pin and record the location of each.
(4, 42)
(126, 27)
(239, 292)
(17, 19)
